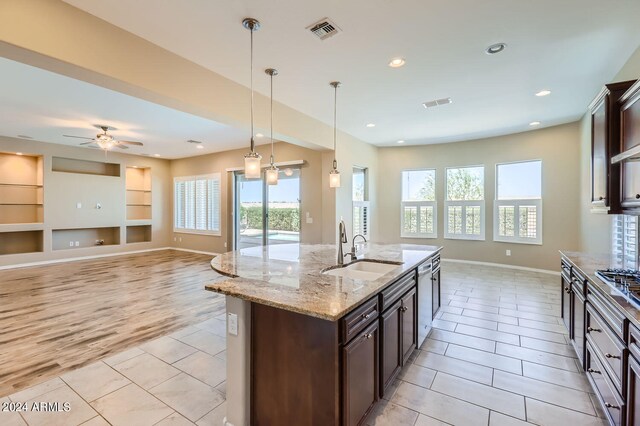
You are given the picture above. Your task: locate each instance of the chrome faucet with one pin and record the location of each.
(352, 253)
(342, 238)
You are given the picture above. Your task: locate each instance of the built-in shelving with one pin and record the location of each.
(85, 167)
(138, 234)
(21, 188)
(18, 242)
(138, 184)
(64, 239)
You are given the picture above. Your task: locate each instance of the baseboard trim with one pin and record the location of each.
(73, 259)
(502, 265)
(195, 251)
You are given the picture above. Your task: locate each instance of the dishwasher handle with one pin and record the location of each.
(425, 268)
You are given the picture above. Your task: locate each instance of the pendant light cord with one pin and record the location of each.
(271, 119)
(252, 143)
(335, 132)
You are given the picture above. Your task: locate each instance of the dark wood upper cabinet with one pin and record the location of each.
(630, 143)
(605, 143)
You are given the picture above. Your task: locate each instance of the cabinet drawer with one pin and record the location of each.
(392, 293)
(634, 341)
(607, 344)
(357, 320)
(565, 269)
(578, 280)
(613, 317)
(612, 402)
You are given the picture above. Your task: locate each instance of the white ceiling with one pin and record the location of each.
(45, 105)
(571, 47)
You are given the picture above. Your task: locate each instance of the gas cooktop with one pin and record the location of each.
(626, 281)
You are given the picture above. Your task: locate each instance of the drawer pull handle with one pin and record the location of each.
(404, 309)
(367, 316)
(368, 336)
(594, 329)
(609, 405)
(600, 198)
(591, 370)
(611, 356)
(637, 196)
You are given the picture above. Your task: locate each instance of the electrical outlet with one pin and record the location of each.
(78, 205)
(508, 252)
(77, 244)
(70, 243)
(180, 239)
(225, 244)
(232, 324)
(175, 239)
(98, 206)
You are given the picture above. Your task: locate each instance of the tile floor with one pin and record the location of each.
(498, 356)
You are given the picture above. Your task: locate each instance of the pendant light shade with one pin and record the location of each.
(334, 174)
(252, 159)
(272, 171)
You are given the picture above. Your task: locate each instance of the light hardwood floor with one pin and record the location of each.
(57, 318)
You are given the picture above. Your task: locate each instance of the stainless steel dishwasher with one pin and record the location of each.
(425, 300)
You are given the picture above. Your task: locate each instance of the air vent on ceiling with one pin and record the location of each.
(437, 102)
(324, 29)
(192, 141)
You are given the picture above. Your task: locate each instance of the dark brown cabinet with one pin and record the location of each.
(605, 143)
(565, 282)
(391, 341)
(409, 319)
(630, 141)
(360, 375)
(435, 278)
(633, 393)
(578, 322)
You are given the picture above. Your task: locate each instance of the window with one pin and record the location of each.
(197, 204)
(360, 198)
(624, 242)
(518, 206)
(464, 203)
(418, 204)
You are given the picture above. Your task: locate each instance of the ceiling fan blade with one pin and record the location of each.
(131, 143)
(87, 143)
(79, 137)
(121, 146)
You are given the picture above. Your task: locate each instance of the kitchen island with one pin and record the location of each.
(312, 342)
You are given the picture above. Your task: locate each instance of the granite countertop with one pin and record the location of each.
(289, 276)
(587, 264)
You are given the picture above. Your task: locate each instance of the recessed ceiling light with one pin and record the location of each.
(543, 93)
(534, 123)
(18, 153)
(495, 48)
(156, 155)
(200, 146)
(397, 62)
(371, 125)
(401, 141)
(259, 135)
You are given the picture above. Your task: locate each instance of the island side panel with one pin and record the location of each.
(295, 368)
(238, 364)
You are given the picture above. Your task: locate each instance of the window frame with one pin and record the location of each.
(464, 204)
(361, 204)
(217, 204)
(422, 203)
(517, 203)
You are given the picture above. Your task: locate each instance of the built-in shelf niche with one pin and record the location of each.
(21, 188)
(63, 239)
(138, 234)
(138, 184)
(85, 167)
(21, 242)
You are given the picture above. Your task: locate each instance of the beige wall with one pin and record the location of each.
(595, 228)
(62, 191)
(310, 192)
(557, 147)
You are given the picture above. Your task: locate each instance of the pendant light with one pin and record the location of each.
(252, 159)
(272, 171)
(334, 175)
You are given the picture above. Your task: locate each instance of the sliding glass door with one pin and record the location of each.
(267, 214)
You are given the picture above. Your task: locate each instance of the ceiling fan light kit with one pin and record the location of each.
(104, 140)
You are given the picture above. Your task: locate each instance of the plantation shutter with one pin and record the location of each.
(197, 204)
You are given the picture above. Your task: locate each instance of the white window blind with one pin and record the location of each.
(197, 204)
(361, 223)
(624, 242)
(418, 216)
(464, 203)
(360, 198)
(517, 215)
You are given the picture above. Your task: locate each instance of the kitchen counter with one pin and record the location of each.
(289, 276)
(587, 264)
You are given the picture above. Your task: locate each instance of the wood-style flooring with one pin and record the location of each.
(57, 318)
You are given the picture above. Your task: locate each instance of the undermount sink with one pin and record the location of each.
(363, 270)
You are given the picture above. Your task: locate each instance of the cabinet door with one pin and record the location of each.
(360, 376)
(578, 325)
(390, 345)
(599, 153)
(566, 304)
(633, 394)
(435, 279)
(631, 184)
(409, 320)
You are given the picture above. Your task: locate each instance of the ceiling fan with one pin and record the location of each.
(104, 140)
